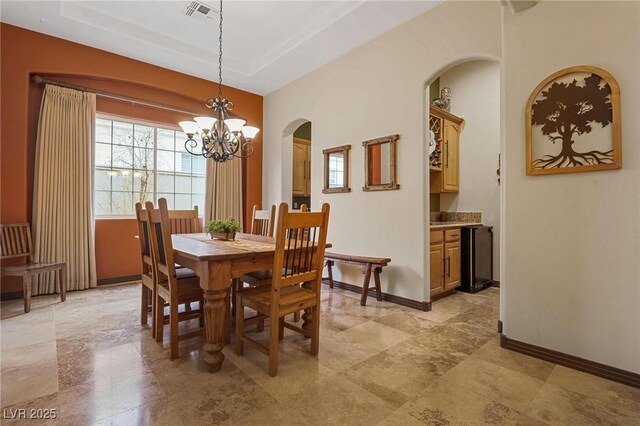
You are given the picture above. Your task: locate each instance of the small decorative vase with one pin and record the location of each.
(226, 236)
(445, 95)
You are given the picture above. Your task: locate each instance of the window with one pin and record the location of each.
(336, 171)
(137, 162)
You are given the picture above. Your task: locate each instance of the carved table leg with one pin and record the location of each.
(215, 321)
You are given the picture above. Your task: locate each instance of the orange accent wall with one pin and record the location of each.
(376, 164)
(24, 53)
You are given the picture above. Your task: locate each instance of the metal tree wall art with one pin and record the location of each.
(573, 123)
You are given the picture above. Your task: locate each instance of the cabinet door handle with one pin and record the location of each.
(446, 147)
(449, 266)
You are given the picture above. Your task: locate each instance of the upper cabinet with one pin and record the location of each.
(301, 167)
(444, 161)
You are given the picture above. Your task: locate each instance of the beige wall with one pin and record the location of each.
(572, 260)
(475, 90)
(377, 90)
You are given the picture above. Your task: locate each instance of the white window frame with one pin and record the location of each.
(135, 122)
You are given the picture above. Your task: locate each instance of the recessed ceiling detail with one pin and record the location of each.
(268, 44)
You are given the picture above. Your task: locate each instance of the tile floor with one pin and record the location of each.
(384, 364)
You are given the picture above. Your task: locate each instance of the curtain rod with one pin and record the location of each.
(41, 80)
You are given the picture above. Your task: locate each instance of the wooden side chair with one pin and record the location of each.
(148, 286)
(173, 286)
(15, 244)
(296, 261)
(262, 220)
(262, 223)
(185, 221)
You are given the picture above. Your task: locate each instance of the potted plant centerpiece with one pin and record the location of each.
(223, 229)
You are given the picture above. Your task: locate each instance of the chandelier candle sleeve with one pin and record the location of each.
(221, 137)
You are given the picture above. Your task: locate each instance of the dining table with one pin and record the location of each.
(216, 262)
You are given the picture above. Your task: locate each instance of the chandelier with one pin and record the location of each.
(222, 136)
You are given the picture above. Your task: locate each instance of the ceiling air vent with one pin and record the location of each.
(200, 11)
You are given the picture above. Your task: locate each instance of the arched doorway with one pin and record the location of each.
(474, 84)
(296, 163)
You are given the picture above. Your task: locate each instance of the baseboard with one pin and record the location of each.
(605, 371)
(398, 300)
(12, 295)
(118, 280)
(103, 281)
(442, 295)
(495, 283)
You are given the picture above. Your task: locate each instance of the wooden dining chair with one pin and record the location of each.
(147, 295)
(16, 244)
(258, 278)
(263, 221)
(296, 261)
(175, 286)
(185, 221)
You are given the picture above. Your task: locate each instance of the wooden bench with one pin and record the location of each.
(368, 264)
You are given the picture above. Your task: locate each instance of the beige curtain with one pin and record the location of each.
(223, 198)
(63, 226)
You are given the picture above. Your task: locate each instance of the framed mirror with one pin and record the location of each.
(336, 169)
(380, 164)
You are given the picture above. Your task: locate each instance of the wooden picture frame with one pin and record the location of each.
(373, 164)
(586, 97)
(344, 150)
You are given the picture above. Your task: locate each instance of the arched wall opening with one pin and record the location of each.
(476, 97)
(286, 180)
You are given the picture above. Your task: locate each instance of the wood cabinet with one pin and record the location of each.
(301, 167)
(444, 163)
(444, 260)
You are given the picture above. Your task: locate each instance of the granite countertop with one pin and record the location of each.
(436, 226)
(448, 220)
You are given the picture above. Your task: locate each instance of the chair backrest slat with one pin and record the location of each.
(185, 221)
(300, 259)
(144, 240)
(16, 241)
(263, 221)
(161, 245)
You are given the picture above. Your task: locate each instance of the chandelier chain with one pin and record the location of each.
(220, 56)
(221, 138)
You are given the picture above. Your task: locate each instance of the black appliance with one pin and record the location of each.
(476, 258)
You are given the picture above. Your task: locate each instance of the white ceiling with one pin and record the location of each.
(267, 44)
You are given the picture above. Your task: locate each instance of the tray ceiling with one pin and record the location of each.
(267, 44)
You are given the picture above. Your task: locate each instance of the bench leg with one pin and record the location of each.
(365, 285)
(63, 282)
(376, 277)
(330, 270)
(26, 290)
